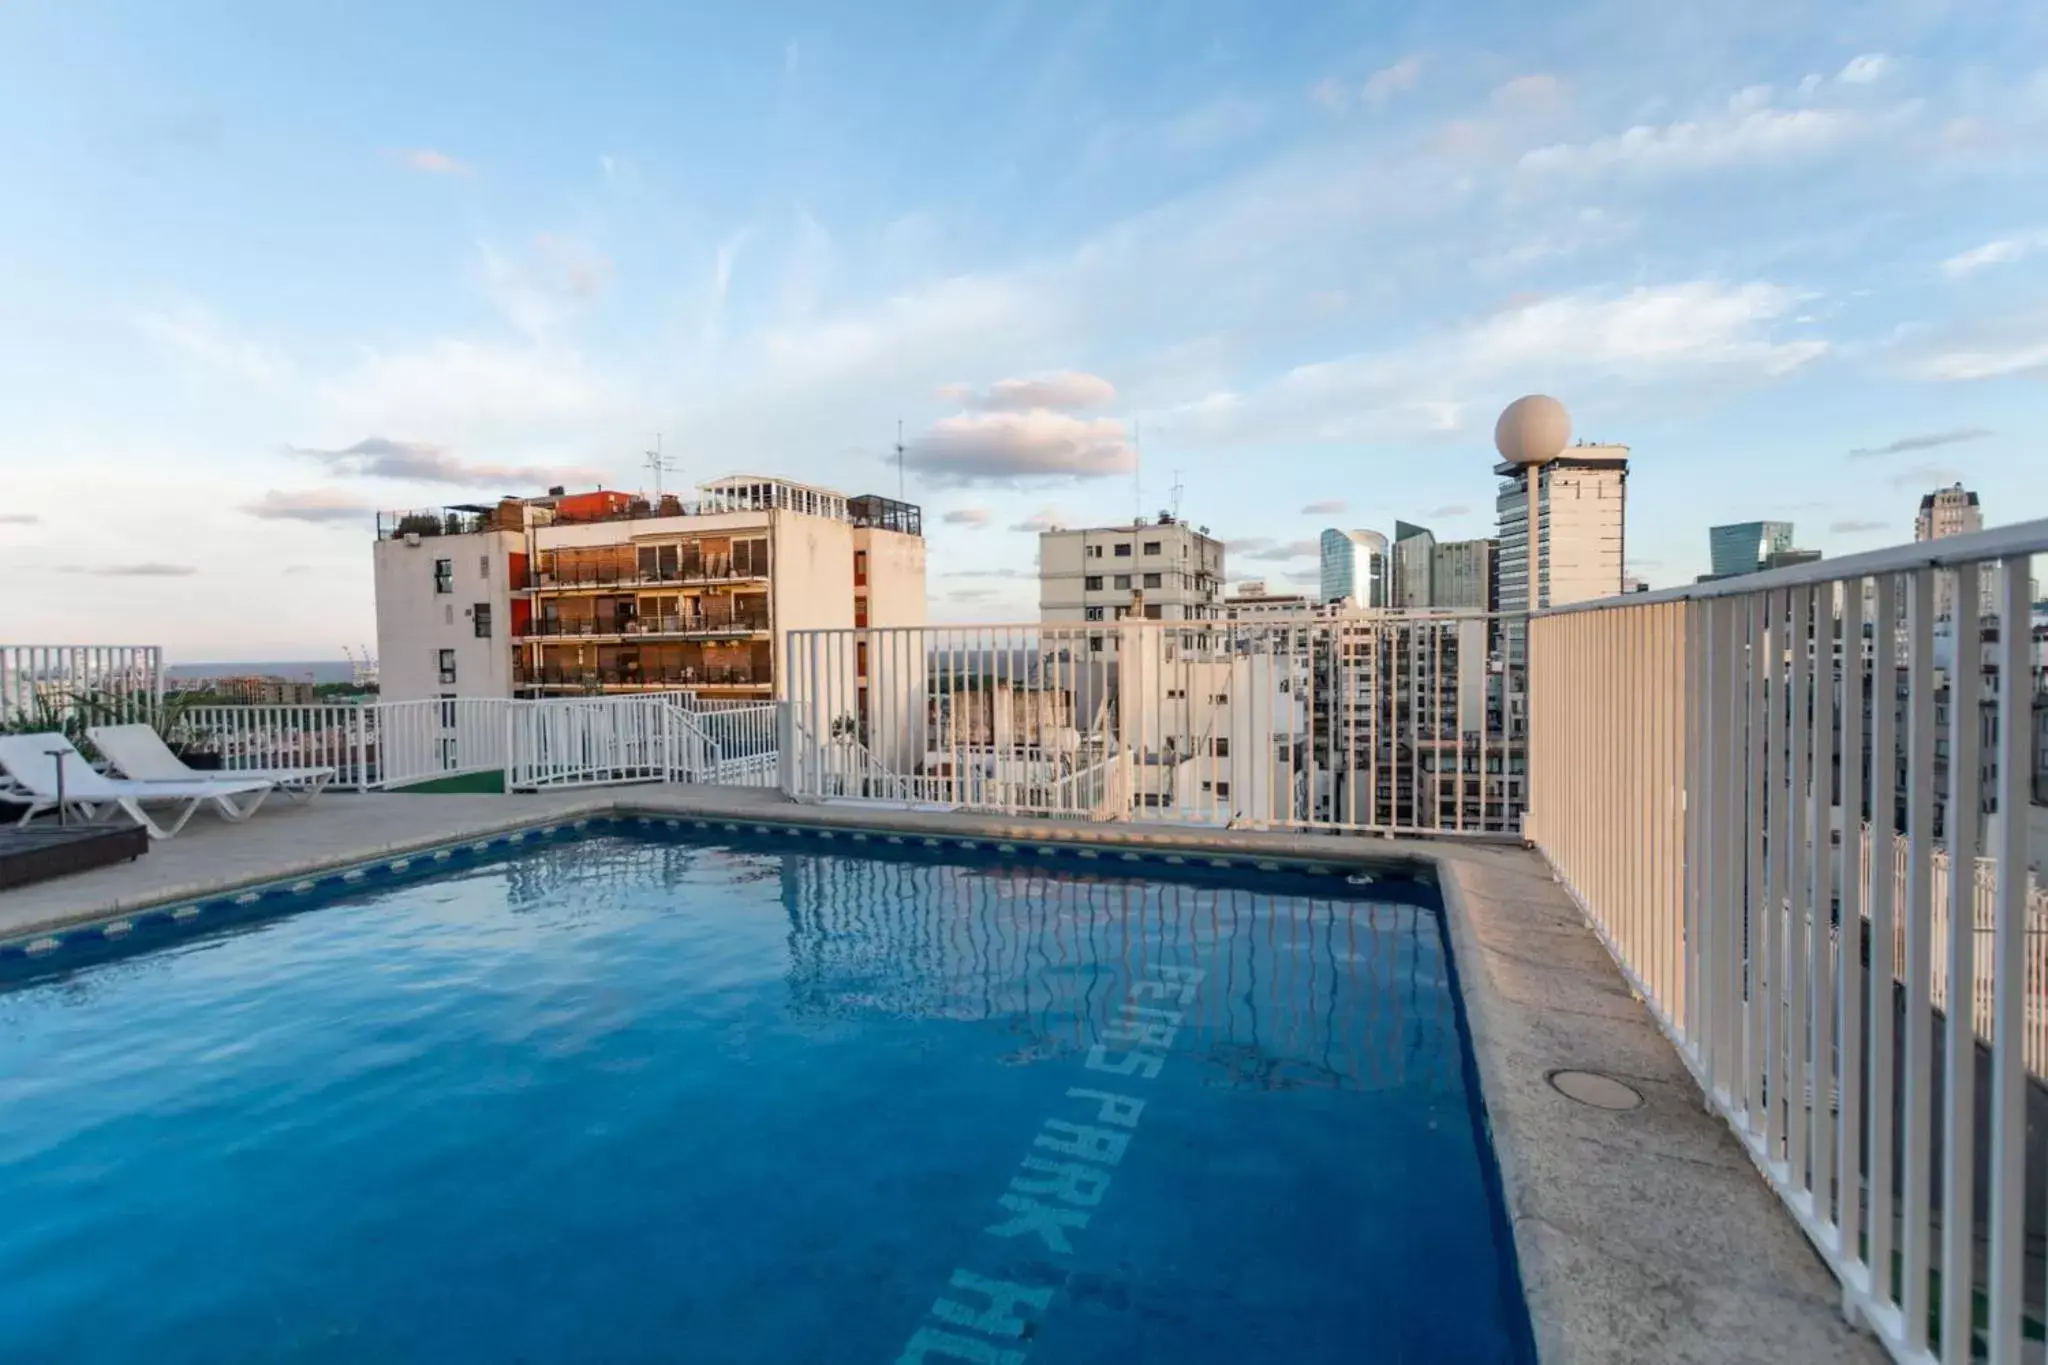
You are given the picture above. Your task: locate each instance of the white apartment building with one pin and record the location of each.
(1163, 570)
(1253, 601)
(1582, 513)
(1353, 567)
(606, 592)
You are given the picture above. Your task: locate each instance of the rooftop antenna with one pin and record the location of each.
(657, 464)
(1137, 471)
(900, 496)
(1177, 490)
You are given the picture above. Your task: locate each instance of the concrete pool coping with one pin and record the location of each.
(1641, 1234)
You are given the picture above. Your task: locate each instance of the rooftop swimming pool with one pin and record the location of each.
(704, 1094)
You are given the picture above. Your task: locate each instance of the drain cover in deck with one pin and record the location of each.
(1590, 1087)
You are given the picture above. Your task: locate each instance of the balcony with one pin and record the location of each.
(570, 678)
(708, 569)
(710, 623)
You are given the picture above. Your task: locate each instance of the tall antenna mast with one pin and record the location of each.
(1177, 491)
(656, 463)
(1137, 470)
(900, 496)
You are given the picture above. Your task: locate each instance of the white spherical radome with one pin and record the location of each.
(1532, 430)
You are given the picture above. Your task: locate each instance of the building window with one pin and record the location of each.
(1151, 547)
(860, 612)
(1123, 582)
(1151, 580)
(444, 575)
(1175, 693)
(1094, 552)
(483, 567)
(1095, 644)
(1094, 613)
(1092, 583)
(1151, 611)
(1222, 699)
(860, 568)
(1219, 747)
(860, 659)
(1223, 790)
(448, 716)
(480, 617)
(1123, 551)
(446, 659)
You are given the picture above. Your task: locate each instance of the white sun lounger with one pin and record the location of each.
(141, 755)
(32, 767)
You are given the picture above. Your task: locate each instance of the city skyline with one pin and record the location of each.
(1802, 278)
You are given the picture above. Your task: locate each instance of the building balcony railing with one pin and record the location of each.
(573, 678)
(710, 569)
(642, 627)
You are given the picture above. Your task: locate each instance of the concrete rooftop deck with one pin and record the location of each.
(1643, 1235)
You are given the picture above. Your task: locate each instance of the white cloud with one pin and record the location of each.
(1331, 93)
(1536, 92)
(469, 391)
(431, 162)
(317, 505)
(1329, 507)
(1743, 136)
(545, 285)
(1651, 334)
(1387, 82)
(966, 516)
(20, 519)
(1562, 236)
(195, 334)
(1983, 362)
(1065, 391)
(379, 457)
(1867, 69)
(1045, 519)
(1216, 123)
(1015, 447)
(2002, 251)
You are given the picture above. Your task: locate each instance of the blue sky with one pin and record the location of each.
(264, 267)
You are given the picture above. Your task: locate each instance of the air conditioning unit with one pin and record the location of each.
(412, 538)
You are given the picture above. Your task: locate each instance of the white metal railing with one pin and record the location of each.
(653, 737)
(1385, 722)
(1693, 755)
(100, 684)
(371, 745)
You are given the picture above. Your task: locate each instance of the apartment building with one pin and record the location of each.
(1161, 570)
(1253, 601)
(1582, 514)
(606, 592)
(1461, 575)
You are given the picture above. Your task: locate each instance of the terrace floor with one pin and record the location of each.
(1643, 1234)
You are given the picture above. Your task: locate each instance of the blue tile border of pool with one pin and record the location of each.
(233, 905)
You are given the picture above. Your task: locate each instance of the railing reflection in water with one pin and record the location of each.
(1302, 991)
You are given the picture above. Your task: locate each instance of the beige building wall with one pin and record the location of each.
(416, 620)
(1090, 575)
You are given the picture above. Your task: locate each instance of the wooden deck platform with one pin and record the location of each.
(42, 850)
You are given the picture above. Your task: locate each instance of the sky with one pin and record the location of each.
(265, 269)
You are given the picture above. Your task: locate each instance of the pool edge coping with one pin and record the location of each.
(670, 805)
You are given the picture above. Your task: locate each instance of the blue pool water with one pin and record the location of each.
(639, 1099)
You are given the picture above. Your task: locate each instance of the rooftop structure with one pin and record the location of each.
(1161, 570)
(607, 592)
